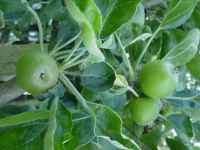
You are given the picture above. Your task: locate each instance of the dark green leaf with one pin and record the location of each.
(120, 13)
(82, 132)
(2, 20)
(175, 144)
(152, 138)
(64, 125)
(17, 138)
(196, 16)
(98, 77)
(10, 6)
(179, 14)
(105, 118)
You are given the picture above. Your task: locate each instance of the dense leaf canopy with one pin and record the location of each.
(111, 94)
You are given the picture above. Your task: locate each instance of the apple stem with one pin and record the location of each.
(133, 91)
(125, 58)
(76, 46)
(57, 48)
(39, 24)
(76, 93)
(183, 98)
(74, 61)
(146, 47)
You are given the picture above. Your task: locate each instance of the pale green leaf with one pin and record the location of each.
(179, 14)
(184, 51)
(88, 34)
(23, 118)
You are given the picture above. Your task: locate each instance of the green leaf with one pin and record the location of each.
(105, 118)
(8, 110)
(10, 6)
(104, 6)
(2, 20)
(109, 43)
(120, 13)
(90, 146)
(33, 132)
(179, 14)
(88, 34)
(54, 13)
(114, 100)
(126, 34)
(94, 119)
(66, 26)
(64, 118)
(182, 124)
(98, 77)
(92, 12)
(23, 138)
(82, 132)
(183, 52)
(52, 125)
(152, 3)
(139, 17)
(196, 128)
(190, 107)
(152, 138)
(196, 16)
(175, 144)
(108, 143)
(23, 118)
(193, 113)
(64, 125)
(103, 143)
(141, 37)
(104, 124)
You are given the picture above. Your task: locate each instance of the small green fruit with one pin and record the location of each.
(36, 72)
(157, 79)
(194, 67)
(142, 111)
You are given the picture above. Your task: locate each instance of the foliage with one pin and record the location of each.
(101, 48)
